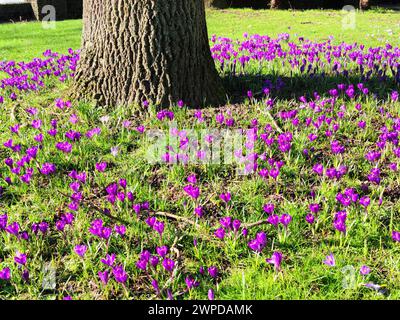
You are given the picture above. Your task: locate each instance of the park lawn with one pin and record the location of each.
(23, 41)
(243, 274)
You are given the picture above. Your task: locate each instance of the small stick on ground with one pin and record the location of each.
(175, 217)
(92, 206)
(255, 224)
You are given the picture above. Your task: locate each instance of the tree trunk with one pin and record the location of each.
(364, 4)
(147, 50)
(276, 4)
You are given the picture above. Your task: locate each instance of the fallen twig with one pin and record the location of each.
(175, 217)
(94, 207)
(254, 224)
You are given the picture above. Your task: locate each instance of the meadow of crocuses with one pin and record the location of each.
(313, 212)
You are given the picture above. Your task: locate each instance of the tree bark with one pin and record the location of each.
(147, 50)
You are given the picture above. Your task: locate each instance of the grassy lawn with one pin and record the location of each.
(23, 41)
(332, 115)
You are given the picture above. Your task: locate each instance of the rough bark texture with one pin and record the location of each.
(147, 50)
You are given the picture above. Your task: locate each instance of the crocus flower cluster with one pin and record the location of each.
(259, 242)
(305, 147)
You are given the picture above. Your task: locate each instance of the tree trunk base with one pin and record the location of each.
(145, 50)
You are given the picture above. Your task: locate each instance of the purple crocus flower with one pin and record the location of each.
(310, 218)
(365, 270)
(93, 132)
(15, 128)
(121, 230)
(274, 220)
(25, 275)
(142, 264)
(80, 250)
(330, 260)
(220, 233)
(213, 272)
(339, 221)
(5, 274)
(48, 168)
(375, 176)
(276, 260)
(150, 221)
(119, 274)
(36, 124)
(145, 255)
(159, 227)
(109, 260)
(52, 132)
(226, 222)
(192, 191)
(198, 211)
(101, 166)
(154, 260)
(3, 221)
(170, 295)
(236, 225)
(264, 173)
(259, 243)
(365, 201)
(269, 208)
(73, 135)
(191, 283)
(220, 118)
(162, 251)
(65, 147)
(286, 219)
(314, 207)
(104, 276)
(20, 258)
(396, 236)
(211, 295)
(394, 96)
(13, 228)
(373, 156)
(156, 287)
(168, 264)
(226, 197)
(274, 173)
(336, 147)
(393, 166)
(106, 233)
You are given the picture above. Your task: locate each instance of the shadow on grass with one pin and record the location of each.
(288, 88)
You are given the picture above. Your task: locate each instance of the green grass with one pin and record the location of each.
(23, 41)
(243, 274)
